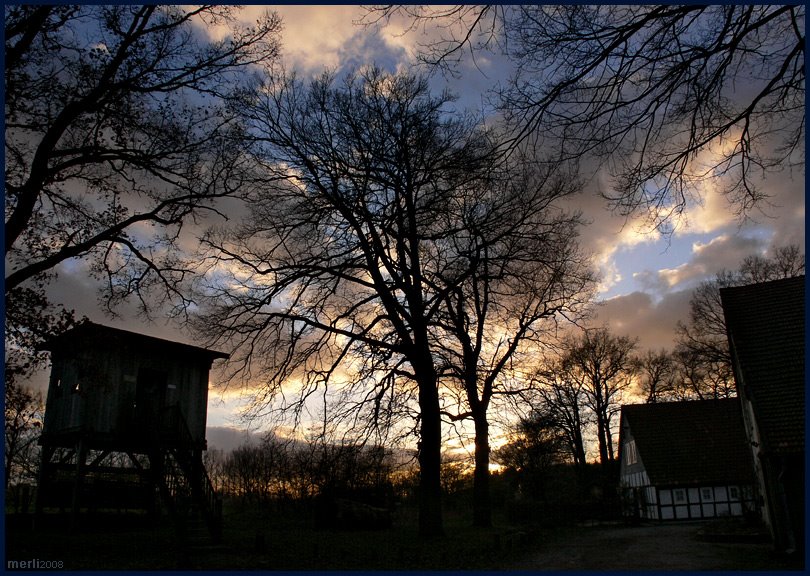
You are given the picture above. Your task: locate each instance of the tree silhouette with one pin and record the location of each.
(334, 281)
(701, 353)
(24, 409)
(390, 248)
(657, 376)
(560, 399)
(116, 135)
(601, 364)
(521, 272)
(537, 444)
(646, 88)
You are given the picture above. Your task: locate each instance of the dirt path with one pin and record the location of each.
(647, 547)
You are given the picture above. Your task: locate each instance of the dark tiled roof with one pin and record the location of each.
(108, 336)
(765, 323)
(688, 443)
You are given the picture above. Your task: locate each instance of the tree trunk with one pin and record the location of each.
(579, 450)
(600, 433)
(482, 506)
(11, 456)
(430, 455)
(601, 424)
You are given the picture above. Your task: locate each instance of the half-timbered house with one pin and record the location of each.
(685, 460)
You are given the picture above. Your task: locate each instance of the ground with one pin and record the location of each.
(688, 546)
(274, 542)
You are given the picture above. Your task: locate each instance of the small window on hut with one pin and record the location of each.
(680, 496)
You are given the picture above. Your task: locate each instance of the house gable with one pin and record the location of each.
(765, 324)
(690, 443)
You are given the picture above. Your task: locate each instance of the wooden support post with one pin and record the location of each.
(81, 456)
(196, 471)
(156, 471)
(43, 485)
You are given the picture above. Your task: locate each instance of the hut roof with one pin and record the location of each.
(109, 336)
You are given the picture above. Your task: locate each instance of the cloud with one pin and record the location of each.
(226, 438)
(782, 210)
(779, 222)
(367, 47)
(400, 32)
(313, 38)
(317, 38)
(724, 252)
(639, 315)
(710, 213)
(605, 232)
(784, 213)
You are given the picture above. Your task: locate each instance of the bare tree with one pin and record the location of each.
(646, 87)
(24, 410)
(521, 271)
(116, 135)
(537, 445)
(561, 400)
(339, 264)
(455, 473)
(214, 460)
(657, 375)
(785, 262)
(702, 352)
(701, 376)
(602, 364)
(30, 318)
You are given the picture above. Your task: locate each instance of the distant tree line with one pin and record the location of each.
(277, 471)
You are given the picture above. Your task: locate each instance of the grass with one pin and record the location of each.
(254, 541)
(105, 545)
(289, 543)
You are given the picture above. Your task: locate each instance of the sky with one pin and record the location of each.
(646, 278)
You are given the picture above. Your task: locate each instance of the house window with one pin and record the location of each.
(680, 496)
(706, 494)
(631, 457)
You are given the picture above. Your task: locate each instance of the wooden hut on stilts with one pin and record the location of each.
(125, 425)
